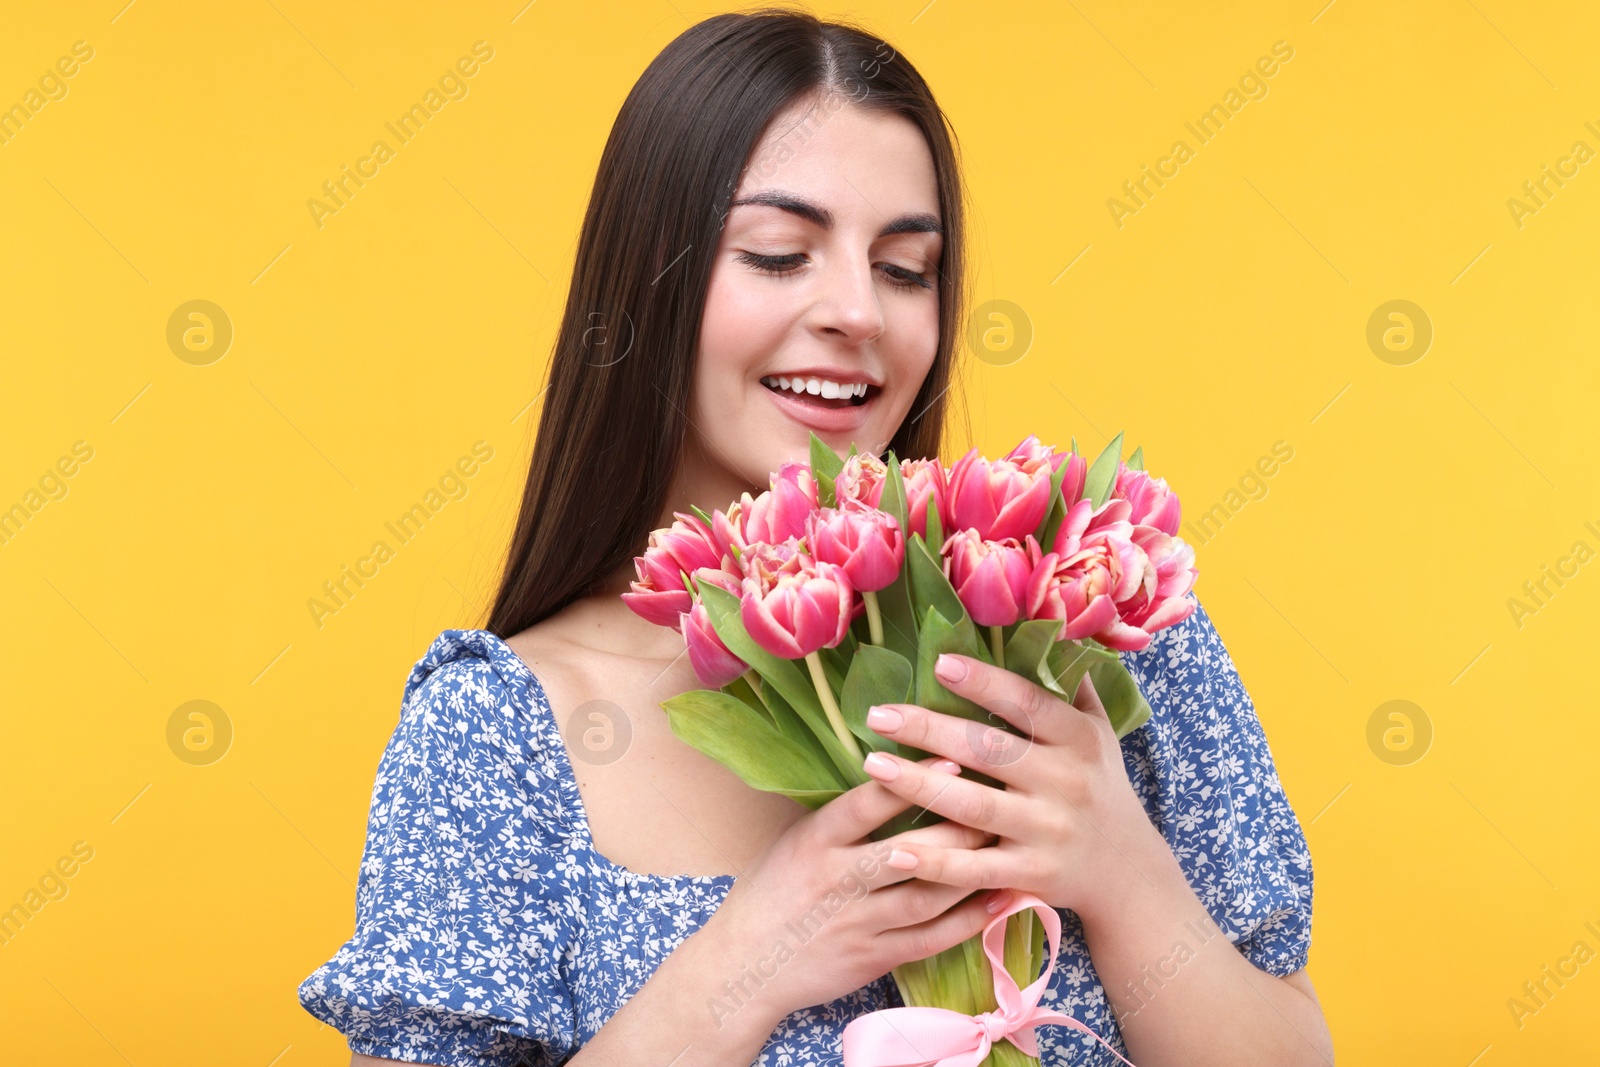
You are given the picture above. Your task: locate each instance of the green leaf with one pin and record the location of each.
(1056, 512)
(791, 725)
(899, 620)
(1136, 461)
(939, 635)
(1028, 652)
(1125, 706)
(1103, 472)
(835, 664)
(783, 675)
(826, 465)
(736, 735)
(893, 499)
(1074, 445)
(741, 689)
(934, 525)
(930, 589)
(702, 516)
(877, 676)
(894, 601)
(1067, 662)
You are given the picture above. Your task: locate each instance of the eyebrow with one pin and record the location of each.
(916, 222)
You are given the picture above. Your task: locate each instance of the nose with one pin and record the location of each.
(847, 306)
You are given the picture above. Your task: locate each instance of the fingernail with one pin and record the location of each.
(950, 668)
(997, 901)
(882, 767)
(946, 766)
(881, 718)
(901, 859)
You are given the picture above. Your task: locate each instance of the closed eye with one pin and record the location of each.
(786, 264)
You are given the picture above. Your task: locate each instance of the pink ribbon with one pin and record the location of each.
(939, 1037)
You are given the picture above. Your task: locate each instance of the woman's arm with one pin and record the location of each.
(1074, 833)
(1182, 992)
(669, 1020)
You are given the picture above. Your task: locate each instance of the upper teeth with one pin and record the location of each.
(823, 387)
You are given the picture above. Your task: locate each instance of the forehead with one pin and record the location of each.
(857, 163)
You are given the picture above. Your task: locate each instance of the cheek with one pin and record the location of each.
(913, 335)
(741, 328)
(744, 322)
(744, 318)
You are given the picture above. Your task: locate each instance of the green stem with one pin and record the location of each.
(819, 679)
(997, 645)
(874, 617)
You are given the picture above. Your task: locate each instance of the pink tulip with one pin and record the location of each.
(781, 512)
(795, 606)
(766, 561)
(1072, 482)
(713, 664)
(990, 577)
(1155, 606)
(728, 577)
(1110, 580)
(1154, 504)
(1033, 455)
(867, 544)
(660, 594)
(998, 498)
(859, 486)
(925, 480)
(727, 530)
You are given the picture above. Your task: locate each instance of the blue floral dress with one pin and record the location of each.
(490, 932)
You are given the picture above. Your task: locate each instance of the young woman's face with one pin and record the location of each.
(823, 308)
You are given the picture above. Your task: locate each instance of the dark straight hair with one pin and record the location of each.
(615, 411)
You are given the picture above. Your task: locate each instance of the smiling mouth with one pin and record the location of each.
(821, 391)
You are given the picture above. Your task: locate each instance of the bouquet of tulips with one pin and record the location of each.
(839, 587)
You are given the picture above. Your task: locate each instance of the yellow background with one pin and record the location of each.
(369, 354)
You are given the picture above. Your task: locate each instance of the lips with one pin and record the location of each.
(818, 411)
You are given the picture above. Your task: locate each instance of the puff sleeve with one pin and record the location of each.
(464, 919)
(1202, 766)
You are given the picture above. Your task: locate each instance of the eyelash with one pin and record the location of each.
(780, 265)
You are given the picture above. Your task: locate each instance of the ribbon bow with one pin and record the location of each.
(939, 1037)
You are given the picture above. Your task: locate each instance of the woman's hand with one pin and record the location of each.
(820, 915)
(1070, 826)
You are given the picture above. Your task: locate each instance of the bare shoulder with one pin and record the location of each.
(654, 804)
(577, 659)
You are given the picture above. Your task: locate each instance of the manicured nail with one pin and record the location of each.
(950, 668)
(997, 901)
(901, 859)
(882, 767)
(881, 718)
(946, 766)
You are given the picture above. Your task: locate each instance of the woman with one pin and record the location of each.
(773, 247)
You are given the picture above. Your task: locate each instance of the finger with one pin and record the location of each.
(887, 860)
(988, 747)
(924, 939)
(960, 800)
(1028, 706)
(856, 812)
(945, 835)
(969, 868)
(1088, 700)
(917, 900)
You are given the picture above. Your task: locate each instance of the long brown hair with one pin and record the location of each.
(614, 414)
